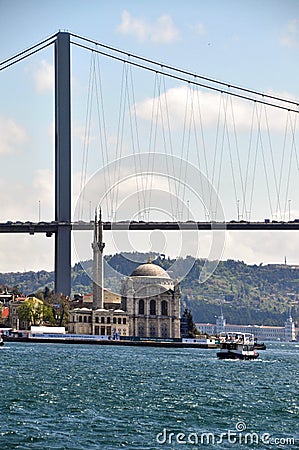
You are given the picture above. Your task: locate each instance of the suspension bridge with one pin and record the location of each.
(227, 155)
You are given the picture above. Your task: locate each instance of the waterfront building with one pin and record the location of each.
(16, 321)
(112, 300)
(4, 315)
(151, 299)
(287, 332)
(105, 322)
(5, 299)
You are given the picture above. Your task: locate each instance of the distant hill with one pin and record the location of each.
(250, 294)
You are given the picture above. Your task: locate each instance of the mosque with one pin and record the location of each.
(149, 304)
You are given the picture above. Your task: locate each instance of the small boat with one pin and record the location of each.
(259, 346)
(237, 346)
(1, 340)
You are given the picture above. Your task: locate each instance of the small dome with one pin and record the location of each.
(149, 270)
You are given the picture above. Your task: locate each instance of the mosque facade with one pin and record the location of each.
(152, 301)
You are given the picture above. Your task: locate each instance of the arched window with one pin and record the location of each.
(164, 308)
(153, 307)
(141, 307)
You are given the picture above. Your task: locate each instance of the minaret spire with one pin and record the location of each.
(98, 262)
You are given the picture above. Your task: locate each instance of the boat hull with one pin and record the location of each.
(233, 355)
(260, 346)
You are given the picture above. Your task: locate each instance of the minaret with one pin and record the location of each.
(98, 263)
(220, 323)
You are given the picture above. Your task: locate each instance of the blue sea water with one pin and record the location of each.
(56, 396)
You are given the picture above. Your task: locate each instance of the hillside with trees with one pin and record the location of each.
(249, 294)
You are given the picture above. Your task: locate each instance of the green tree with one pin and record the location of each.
(31, 312)
(47, 293)
(192, 330)
(63, 310)
(16, 291)
(59, 304)
(48, 315)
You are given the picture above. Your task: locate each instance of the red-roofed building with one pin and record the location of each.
(5, 313)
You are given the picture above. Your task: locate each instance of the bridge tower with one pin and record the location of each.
(62, 164)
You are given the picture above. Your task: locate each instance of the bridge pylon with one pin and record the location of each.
(63, 163)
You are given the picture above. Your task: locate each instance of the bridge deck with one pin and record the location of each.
(51, 227)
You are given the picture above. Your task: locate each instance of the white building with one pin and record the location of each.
(287, 332)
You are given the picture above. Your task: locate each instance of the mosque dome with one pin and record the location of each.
(149, 270)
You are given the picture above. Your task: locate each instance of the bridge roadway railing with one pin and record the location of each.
(49, 228)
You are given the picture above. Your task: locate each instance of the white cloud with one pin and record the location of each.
(21, 200)
(130, 25)
(21, 252)
(44, 77)
(162, 30)
(85, 137)
(182, 105)
(290, 35)
(51, 132)
(12, 135)
(43, 185)
(261, 247)
(199, 28)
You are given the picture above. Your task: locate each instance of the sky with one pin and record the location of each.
(252, 44)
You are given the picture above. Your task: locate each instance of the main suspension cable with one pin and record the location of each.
(205, 86)
(27, 52)
(185, 72)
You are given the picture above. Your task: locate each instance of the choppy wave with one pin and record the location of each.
(96, 397)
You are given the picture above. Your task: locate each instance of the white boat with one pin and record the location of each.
(237, 346)
(1, 340)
